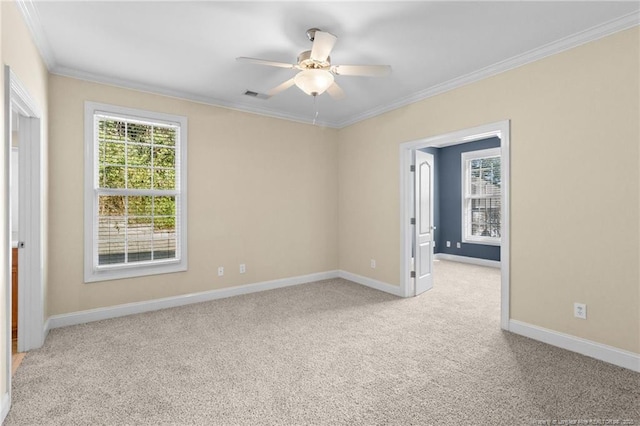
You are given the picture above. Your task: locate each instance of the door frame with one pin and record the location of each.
(500, 129)
(31, 332)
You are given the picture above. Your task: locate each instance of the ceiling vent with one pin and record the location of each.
(256, 94)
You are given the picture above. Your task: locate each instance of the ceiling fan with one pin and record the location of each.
(316, 74)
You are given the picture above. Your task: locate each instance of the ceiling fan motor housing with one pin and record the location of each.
(306, 63)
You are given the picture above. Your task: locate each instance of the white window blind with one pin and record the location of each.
(482, 203)
(137, 195)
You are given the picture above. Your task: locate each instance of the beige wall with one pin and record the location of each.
(19, 52)
(261, 191)
(574, 185)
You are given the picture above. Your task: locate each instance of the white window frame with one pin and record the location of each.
(466, 199)
(93, 272)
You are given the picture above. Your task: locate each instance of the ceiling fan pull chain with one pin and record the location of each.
(315, 106)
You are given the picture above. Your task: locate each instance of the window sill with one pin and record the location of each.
(118, 273)
(485, 242)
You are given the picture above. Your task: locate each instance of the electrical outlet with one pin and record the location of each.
(373, 264)
(580, 310)
(243, 268)
(448, 243)
(458, 245)
(220, 271)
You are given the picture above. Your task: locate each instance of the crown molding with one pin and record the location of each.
(575, 40)
(182, 95)
(32, 20)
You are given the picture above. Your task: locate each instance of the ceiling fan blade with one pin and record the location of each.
(264, 62)
(281, 88)
(362, 70)
(336, 91)
(322, 44)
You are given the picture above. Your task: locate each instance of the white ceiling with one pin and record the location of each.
(188, 49)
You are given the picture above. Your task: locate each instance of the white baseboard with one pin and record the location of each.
(589, 348)
(45, 330)
(370, 282)
(467, 259)
(586, 347)
(98, 314)
(4, 407)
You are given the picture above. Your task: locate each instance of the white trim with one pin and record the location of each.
(370, 282)
(465, 199)
(46, 328)
(594, 33)
(500, 129)
(505, 247)
(469, 260)
(484, 131)
(6, 318)
(92, 273)
(32, 20)
(81, 317)
(21, 100)
(182, 95)
(5, 406)
(579, 345)
(407, 287)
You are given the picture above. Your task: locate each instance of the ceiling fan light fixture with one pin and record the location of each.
(313, 82)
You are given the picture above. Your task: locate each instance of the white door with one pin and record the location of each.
(423, 189)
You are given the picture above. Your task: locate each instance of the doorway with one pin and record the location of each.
(408, 181)
(22, 114)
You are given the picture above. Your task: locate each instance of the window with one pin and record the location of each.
(482, 197)
(135, 193)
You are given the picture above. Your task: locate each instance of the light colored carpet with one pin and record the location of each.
(327, 353)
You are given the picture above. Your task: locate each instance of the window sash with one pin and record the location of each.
(127, 228)
(494, 204)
